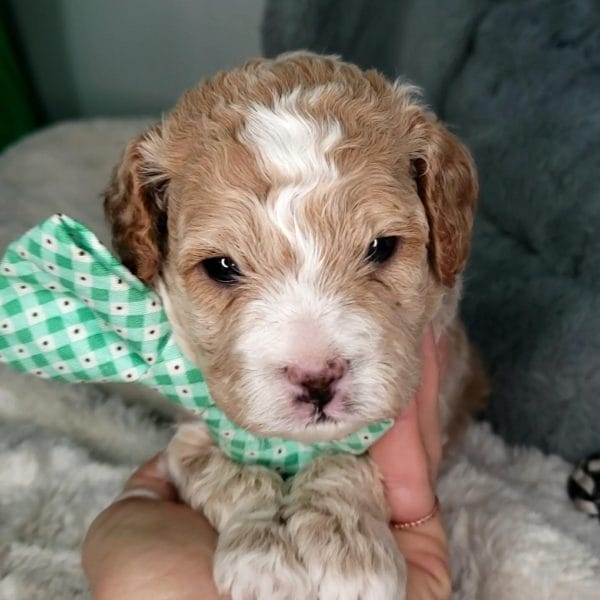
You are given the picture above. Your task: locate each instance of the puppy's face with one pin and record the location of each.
(303, 222)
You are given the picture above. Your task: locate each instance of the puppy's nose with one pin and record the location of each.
(318, 385)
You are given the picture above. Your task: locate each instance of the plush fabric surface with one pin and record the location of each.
(64, 452)
(62, 169)
(519, 81)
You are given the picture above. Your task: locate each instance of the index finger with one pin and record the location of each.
(151, 481)
(427, 399)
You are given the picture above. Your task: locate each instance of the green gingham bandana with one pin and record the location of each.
(69, 310)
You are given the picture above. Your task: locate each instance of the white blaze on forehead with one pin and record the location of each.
(290, 144)
(284, 216)
(293, 148)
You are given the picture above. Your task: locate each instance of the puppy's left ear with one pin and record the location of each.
(446, 180)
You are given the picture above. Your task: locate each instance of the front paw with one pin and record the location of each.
(348, 558)
(255, 561)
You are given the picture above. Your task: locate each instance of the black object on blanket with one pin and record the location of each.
(584, 485)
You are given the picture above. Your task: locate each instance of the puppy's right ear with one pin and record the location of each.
(135, 205)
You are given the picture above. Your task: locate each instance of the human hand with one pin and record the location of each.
(408, 458)
(147, 544)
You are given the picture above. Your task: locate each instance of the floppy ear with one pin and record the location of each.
(447, 184)
(135, 205)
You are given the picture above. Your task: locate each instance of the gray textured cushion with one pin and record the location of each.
(520, 82)
(63, 168)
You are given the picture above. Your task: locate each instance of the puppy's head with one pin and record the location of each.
(303, 221)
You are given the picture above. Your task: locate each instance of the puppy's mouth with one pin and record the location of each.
(320, 416)
(321, 419)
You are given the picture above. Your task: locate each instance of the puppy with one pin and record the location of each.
(303, 221)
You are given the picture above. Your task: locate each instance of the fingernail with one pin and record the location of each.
(162, 469)
(139, 492)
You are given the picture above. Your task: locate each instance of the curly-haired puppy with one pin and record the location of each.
(304, 221)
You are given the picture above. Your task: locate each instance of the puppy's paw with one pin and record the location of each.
(255, 560)
(348, 559)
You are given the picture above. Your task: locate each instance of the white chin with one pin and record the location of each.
(321, 432)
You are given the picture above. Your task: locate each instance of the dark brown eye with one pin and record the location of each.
(221, 269)
(380, 250)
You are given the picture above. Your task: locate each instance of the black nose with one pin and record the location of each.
(318, 393)
(318, 386)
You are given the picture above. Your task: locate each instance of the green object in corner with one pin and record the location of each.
(17, 115)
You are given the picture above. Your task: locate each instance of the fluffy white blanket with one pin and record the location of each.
(65, 451)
